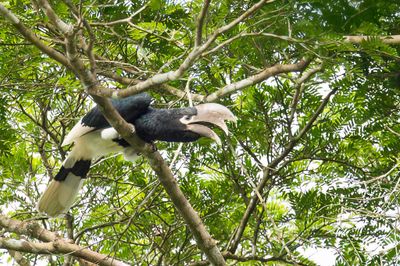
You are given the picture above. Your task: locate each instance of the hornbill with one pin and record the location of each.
(93, 137)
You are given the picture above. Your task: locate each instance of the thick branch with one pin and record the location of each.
(61, 25)
(53, 243)
(28, 229)
(162, 88)
(58, 247)
(266, 73)
(231, 88)
(390, 39)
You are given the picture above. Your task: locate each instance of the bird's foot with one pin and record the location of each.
(133, 130)
(153, 147)
(130, 154)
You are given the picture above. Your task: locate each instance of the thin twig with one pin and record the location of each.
(200, 22)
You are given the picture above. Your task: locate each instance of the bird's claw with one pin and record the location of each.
(133, 130)
(153, 146)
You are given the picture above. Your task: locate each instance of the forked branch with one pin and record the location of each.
(51, 243)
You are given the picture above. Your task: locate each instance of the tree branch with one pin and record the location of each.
(390, 39)
(271, 168)
(121, 21)
(299, 86)
(204, 240)
(48, 10)
(19, 259)
(58, 247)
(53, 243)
(162, 88)
(200, 22)
(230, 256)
(190, 59)
(90, 82)
(266, 73)
(31, 37)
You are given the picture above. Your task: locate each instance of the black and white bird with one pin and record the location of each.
(93, 137)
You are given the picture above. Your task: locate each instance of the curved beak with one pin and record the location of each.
(204, 132)
(210, 114)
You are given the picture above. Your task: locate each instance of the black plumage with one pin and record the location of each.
(80, 168)
(130, 108)
(165, 125)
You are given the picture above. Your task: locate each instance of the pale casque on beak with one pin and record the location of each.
(209, 114)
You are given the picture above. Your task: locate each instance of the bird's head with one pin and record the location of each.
(184, 124)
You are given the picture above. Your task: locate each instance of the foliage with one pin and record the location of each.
(337, 187)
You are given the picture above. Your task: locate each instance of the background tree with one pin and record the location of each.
(311, 164)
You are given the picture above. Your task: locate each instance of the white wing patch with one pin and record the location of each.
(77, 131)
(109, 133)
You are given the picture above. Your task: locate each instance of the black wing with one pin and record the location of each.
(130, 108)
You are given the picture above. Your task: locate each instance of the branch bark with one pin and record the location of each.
(19, 259)
(58, 247)
(64, 27)
(390, 39)
(53, 244)
(263, 75)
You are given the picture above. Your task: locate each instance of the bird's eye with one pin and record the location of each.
(187, 117)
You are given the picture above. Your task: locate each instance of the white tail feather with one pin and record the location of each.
(59, 196)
